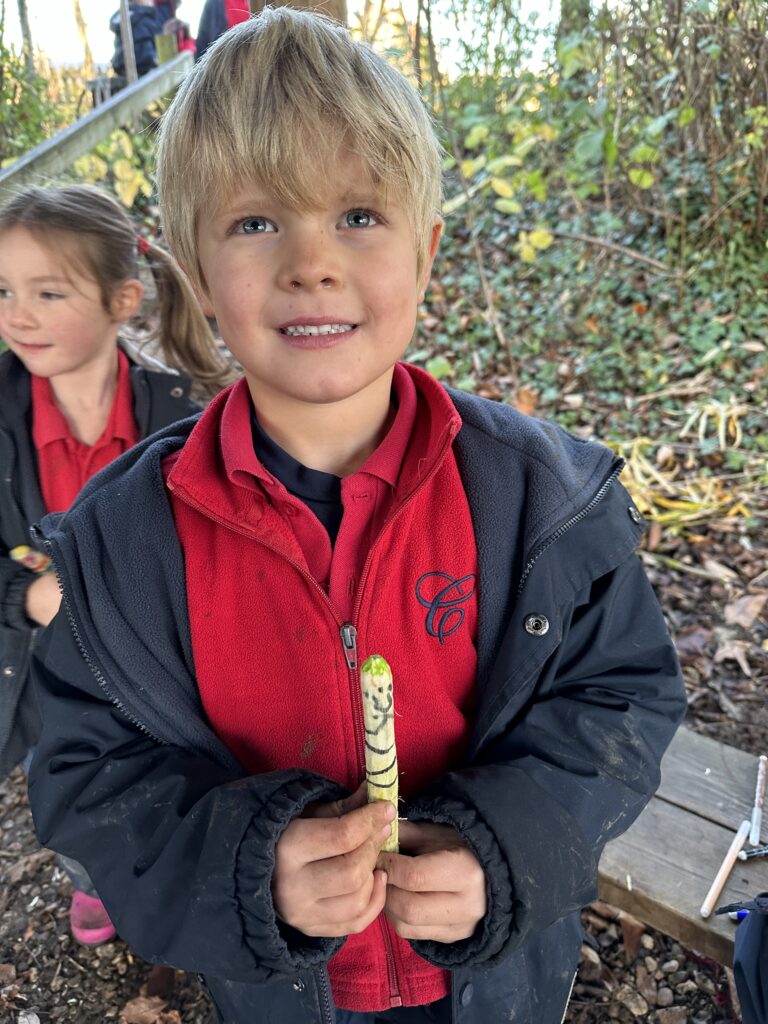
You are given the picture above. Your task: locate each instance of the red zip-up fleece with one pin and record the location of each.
(277, 671)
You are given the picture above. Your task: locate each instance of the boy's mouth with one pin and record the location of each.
(313, 330)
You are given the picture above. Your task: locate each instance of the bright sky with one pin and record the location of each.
(52, 23)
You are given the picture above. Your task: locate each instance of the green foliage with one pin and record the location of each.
(28, 114)
(124, 162)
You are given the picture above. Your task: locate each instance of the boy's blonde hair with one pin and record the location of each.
(277, 99)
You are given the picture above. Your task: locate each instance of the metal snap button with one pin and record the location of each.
(634, 515)
(537, 625)
(298, 986)
(8, 672)
(177, 392)
(465, 996)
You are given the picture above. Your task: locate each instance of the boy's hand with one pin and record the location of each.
(325, 882)
(437, 893)
(42, 599)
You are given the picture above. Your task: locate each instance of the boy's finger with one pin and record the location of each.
(442, 871)
(314, 839)
(344, 917)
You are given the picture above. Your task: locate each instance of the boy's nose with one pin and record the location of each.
(311, 264)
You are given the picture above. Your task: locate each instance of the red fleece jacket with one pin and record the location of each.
(269, 659)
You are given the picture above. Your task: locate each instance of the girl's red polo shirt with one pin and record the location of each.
(66, 464)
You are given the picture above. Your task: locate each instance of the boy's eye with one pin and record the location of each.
(361, 219)
(4, 293)
(254, 226)
(51, 295)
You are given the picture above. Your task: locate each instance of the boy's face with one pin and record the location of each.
(317, 306)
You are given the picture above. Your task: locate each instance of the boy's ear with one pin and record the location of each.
(434, 242)
(127, 299)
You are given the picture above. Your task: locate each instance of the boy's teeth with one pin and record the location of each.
(319, 329)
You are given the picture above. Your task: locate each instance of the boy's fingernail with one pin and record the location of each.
(391, 812)
(386, 832)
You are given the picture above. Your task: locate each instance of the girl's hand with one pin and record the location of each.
(325, 881)
(437, 893)
(43, 599)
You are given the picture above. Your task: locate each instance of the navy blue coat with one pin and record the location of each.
(159, 399)
(579, 693)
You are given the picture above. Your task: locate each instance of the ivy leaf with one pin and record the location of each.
(686, 115)
(502, 187)
(478, 134)
(439, 367)
(540, 239)
(644, 154)
(640, 177)
(470, 167)
(501, 163)
(507, 206)
(589, 146)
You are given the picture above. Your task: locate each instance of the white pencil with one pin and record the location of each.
(725, 868)
(757, 810)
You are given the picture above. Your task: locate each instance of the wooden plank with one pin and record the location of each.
(58, 153)
(715, 781)
(671, 857)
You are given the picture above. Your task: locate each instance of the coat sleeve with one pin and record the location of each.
(15, 580)
(180, 849)
(570, 771)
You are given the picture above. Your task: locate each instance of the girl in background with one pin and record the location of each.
(72, 399)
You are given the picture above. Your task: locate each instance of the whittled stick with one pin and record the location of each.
(725, 869)
(757, 810)
(379, 724)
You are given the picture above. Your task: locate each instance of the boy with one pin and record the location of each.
(203, 744)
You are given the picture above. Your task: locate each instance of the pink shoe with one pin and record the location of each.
(88, 920)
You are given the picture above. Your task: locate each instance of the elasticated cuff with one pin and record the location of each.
(14, 601)
(487, 945)
(274, 944)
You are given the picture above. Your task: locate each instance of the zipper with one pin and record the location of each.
(325, 998)
(348, 634)
(591, 504)
(395, 999)
(86, 655)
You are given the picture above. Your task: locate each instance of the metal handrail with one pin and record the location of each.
(60, 152)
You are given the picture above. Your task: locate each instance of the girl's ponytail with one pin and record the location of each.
(183, 332)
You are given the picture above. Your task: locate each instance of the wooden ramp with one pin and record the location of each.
(661, 869)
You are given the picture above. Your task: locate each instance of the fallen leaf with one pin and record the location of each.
(692, 641)
(147, 1010)
(640, 308)
(734, 650)
(160, 982)
(28, 1017)
(745, 610)
(26, 866)
(592, 325)
(525, 401)
(7, 975)
(632, 931)
(718, 571)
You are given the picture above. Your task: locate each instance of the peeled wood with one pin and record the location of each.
(379, 724)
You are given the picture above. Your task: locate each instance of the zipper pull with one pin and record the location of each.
(349, 643)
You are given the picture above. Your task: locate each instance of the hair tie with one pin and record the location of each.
(142, 245)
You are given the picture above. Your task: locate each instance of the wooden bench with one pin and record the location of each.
(661, 869)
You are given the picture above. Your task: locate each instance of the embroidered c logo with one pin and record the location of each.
(444, 612)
